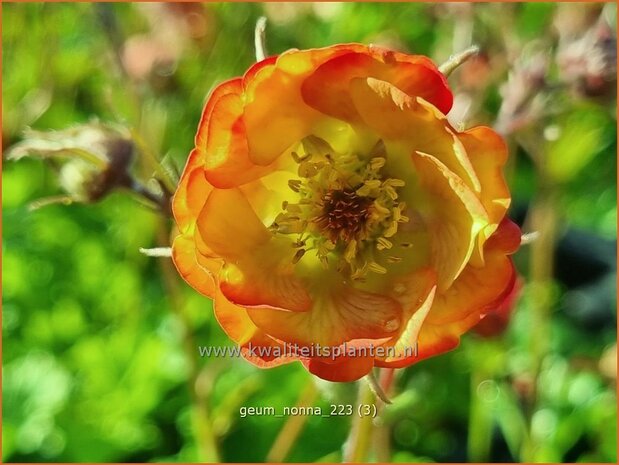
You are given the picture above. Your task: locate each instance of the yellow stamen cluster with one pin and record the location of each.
(346, 208)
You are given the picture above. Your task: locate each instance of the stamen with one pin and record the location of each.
(382, 243)
(351, 251)
(298, 256)
(376, 268)
(391, 229)
(345, 209)
(377, 163)
(298, 158)
(295, 185)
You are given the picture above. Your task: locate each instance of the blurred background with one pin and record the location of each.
(100, 357)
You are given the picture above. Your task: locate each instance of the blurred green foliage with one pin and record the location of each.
(96, 365)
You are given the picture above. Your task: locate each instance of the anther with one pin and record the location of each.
(382, 243)
(295, 185)
(298, 256)
(377, 163)
(376, 268)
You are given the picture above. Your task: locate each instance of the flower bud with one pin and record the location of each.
(94, 158)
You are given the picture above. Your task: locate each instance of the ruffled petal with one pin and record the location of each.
(265, 352)
(476, 293)
(256, 347)
(340, 314)
(327, 88)
(453, 215)
(488, 153)
(258, 269)
(412, 124)
(233, 319)
(197, 276)
(476, 290)
(230, 87)
(431, 86)
(276, 115)
(222, 139)
(191, 193)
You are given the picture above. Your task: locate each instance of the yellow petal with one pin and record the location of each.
(258, 269)
(488, 153)
(453, 215)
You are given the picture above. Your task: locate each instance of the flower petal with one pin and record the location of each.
(258, 269)
(476, 293)
(453, 215)
(412, 124)
(407, 340)
(184, 256)
(276, 116)
(222, 140)
(232, 86)
(345, 369)
(190, 194)
(256, 346)
(265, 352)
(506, 238)
(340, 314)
(488, 153)
(495, 322)
(233, 319)
(327, 88)
(476, 290)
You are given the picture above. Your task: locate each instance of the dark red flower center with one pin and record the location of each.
(344, 214)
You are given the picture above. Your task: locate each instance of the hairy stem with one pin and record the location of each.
(456, 60)
(382, 433)
(260, 39)
(358, 444)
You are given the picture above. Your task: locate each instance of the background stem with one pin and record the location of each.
(480, 421)
(543, 218)
(203, 432)
(293, 427)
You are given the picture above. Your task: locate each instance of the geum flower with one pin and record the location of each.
(329, 201)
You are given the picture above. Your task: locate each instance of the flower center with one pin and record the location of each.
(344, 214)
(345, 208)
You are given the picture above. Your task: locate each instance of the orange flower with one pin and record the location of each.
(335, 216)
